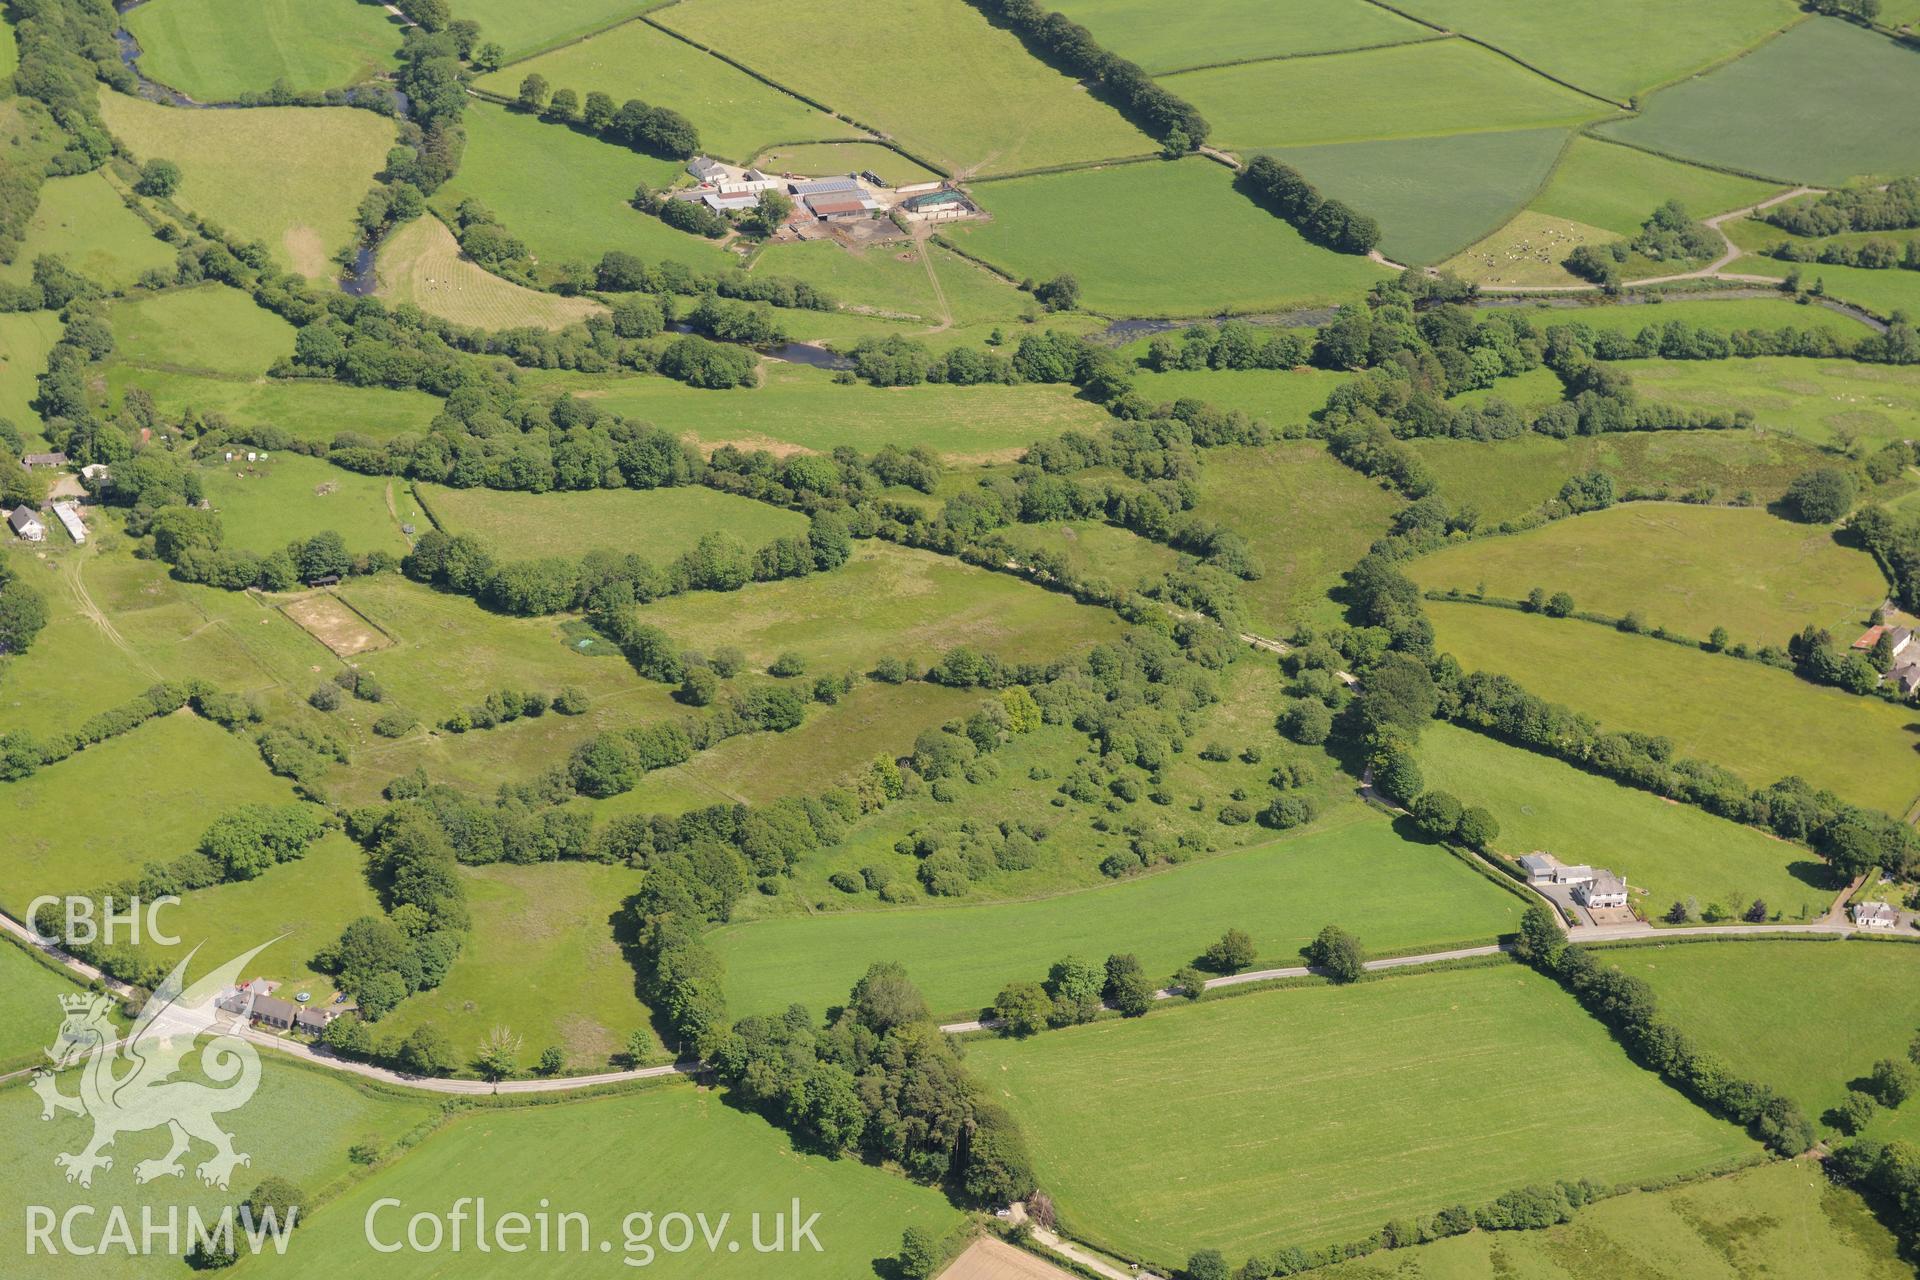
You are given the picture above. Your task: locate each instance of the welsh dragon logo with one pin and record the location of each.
(128, 1084)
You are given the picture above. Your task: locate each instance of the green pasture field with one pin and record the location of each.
(1685, 567)
(265, 505)
(1667, 852)
(1096, 550)
(735, 114)
(208, 328)
(1785, 1218)
(1612, 48)
(1723, 315)
(1823, 401)
(1307, 518)
(289, 176)
(1283, 397)
(29, 1006)
(1881, 292)
(936, 77)
(25, 339)
(83, 220)
(298, 1125)
(216, 50)
(1818, 105)
(1111, 229)
(1527, 250)
(9, 50)
(885, 601)
(656, 523)
(541, 961)
(1309, 1116)
(674, 1146)
(1532, 390)
(1413, 186)
(1607, 185)
(1281, 892)
(565, 194)
(1507, 479)
(1217, 31)
(1418, 90)
(818, 159)
(1808, 1018)
(893, 280)
(522, 28)
(797, 408)
(421, 263)
(1716, 708)
(172, 776)
(307, 408)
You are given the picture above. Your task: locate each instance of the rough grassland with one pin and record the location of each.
(675, 1148)
(1780, 1219)
(25, 339)
(935, 77)
(1415, 91)
(1510, 478)
(1158, 239)
(1282, 892)
(819, 158)
(1303, 1117)
(1723, 315)
(1614, 48)
(1096, 550)
(265, 505)
(1817, 399)
(298, 1125)
(1215, 31)
(1821, 104)
(656, 523)
(1413, 186)
(83, 220)
(307, 408)
(736, 114)
(29, 1006)
(208, 328)
(887, 600)
(1716, 708)
(1687, 568)
(1667, 852)
(566, 194)
(289, 176)
(1808, 1018)
(1881, 292)
(216, 50)
(523, 27)
(1616, 187)
(541, 960)
(1306, 517)
(421, 263)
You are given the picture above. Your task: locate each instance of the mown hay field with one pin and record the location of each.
(1309, 1116)
(289, 176)
(421, 263)
(1684, 567)
(657, 524)
(216, 50)
(1822, 104)
(1281, 892)
(1616, 188)
(936, 77)
(1169, 239)
(1216, 31)
(1716, 708)
(83, 219)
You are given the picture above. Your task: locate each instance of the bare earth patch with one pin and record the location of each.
(990, 1259)
(336, 624)
(308, 251)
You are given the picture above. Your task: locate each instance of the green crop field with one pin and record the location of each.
(1419, 90)
(820, 158)
(1819, 105)
(656, 523)
(1106, 227)
(1412, 187)
(1786, 1219)
(265, 505)
(421, 263)
(209, 328)
(894, 280)
(1281, 892)
(289, 176)
(523, 28)
(736, 114)
(895, 76)
(298, 1125)
(307, 409)
(1216, 31)
(1306, 517)
(566, 195)
(1303, 1117)
(83, 220)
(1824, 401)
(1667, 852)
(216, 50)
(1808, 1018)
(29, 1007)
(1717, 708)
(1686, 568)
(1613, 48)
(705, 1156)
(1614, 187)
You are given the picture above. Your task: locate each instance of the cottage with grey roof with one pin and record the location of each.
(26, 524)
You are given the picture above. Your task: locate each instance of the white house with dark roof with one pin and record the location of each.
(26, 524)
(1875, 915)
(706, 169)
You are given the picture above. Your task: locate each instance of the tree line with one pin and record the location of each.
(1330, 223)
